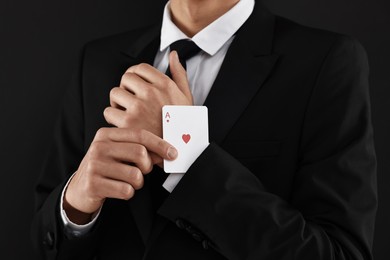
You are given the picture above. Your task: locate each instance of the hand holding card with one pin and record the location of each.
(186, 128)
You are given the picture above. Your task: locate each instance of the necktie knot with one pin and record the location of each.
(186, 49)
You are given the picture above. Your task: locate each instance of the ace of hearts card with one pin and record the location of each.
(186, 128)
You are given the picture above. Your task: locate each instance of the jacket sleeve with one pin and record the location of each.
(65, 154)
(331, 211)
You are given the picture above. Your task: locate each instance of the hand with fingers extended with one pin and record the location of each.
(143, 91)
(113, 167)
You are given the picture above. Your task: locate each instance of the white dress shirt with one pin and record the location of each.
(202, 69)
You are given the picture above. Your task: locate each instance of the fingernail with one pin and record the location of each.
(172, 153)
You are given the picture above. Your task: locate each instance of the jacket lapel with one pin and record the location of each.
(245, 68)
(145, 46)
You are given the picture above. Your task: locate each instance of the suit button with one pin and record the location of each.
(180, 224)
(205, 244)
(197, 237)
(48, 240)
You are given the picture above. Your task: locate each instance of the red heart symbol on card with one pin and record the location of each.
(186, 138)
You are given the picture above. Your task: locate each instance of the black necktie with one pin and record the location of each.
(186, 49)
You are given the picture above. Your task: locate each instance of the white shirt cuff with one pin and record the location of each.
(172, 181)
(75, 229)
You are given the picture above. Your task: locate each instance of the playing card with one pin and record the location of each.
(186, 128)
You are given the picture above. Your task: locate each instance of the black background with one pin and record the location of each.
(39, 44)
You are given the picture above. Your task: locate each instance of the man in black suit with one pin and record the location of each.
(290, 172)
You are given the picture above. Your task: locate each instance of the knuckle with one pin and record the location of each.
(114, 91)
(148, 167)
(106, 112)
(138, 179)
(130, 69)
(130, 76)
(127, 192)
(142, 66)
(91, 168)
(123, 78)
(101, 133)
(92, 152)
(141, 152)
(96, 149)
(145, 164)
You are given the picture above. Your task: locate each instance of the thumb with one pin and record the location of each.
(179, 74)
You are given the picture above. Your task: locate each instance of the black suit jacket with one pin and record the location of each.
(289, 174)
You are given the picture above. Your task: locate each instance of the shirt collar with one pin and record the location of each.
(212, 37)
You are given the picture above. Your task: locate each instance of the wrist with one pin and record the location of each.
(76, 216)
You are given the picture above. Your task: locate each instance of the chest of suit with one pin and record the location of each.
(256, 113)
(267, 122)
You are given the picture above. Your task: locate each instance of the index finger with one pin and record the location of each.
(148, 73)
(152, 142)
